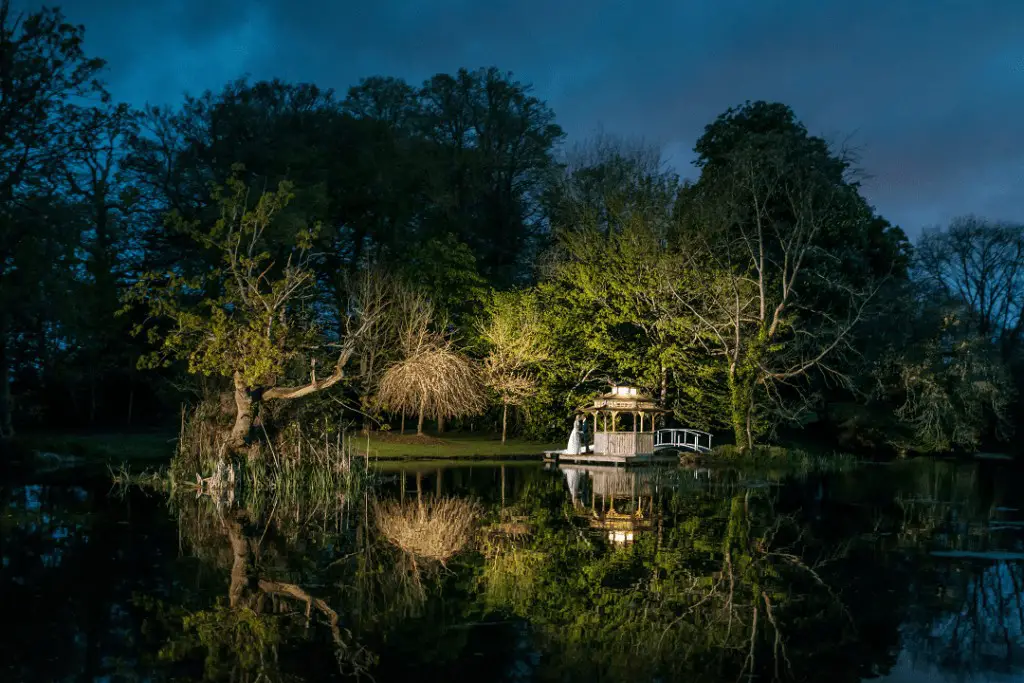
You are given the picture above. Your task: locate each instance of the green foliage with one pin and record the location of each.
(445, 270)
(235, 640)
(247, 315)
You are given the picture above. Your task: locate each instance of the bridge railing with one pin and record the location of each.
(686, 439)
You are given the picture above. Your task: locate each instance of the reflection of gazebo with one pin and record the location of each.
(616, 502)
(606, 409)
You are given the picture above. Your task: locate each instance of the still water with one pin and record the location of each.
(909, 572)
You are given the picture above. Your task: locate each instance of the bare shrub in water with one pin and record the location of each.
(433, 530)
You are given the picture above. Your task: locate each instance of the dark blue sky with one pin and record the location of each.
(931, 91)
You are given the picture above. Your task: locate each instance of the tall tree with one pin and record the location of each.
(774, 297)
(42, 68)
(494, 144)
(93, 172)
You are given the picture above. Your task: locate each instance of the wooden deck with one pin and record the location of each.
(611, 459)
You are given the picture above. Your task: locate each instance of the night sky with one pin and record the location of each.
(931, 91)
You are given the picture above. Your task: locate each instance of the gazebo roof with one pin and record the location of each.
(624, 398)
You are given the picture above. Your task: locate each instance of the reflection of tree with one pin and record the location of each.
(715, 595)
(435, 530)
(241, 637)
(966, 613)
(980, 625)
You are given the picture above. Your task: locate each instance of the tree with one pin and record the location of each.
(445, 270)
(93, 172)
(980, 265)
(42, 68)
(431, 378)
(949, 386)
(250, 317)
(608, 281)
(516, 342)
(771, 298)
(608, 182)
(493, 143)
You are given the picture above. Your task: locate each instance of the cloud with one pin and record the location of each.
(930, 91)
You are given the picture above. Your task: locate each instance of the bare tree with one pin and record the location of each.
(768, 299)
(432, 377)
(980, 264)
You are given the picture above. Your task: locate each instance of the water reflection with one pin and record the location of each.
(909, 572)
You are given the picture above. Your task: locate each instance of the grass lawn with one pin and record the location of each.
(154, 447)
(388, 446)
(113, 448)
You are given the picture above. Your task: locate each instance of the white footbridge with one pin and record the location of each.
(682, 440)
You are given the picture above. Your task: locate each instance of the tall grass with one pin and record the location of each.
(317, 465)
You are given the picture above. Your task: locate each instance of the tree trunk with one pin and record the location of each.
(504, 422)
(244, 408)
(419, 425)
(131, 402)
(92, 401)
(741, 395)
(664, 385)
(403, 422)
(6, 423)
(440, 424)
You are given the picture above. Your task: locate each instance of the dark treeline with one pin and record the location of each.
(433, 252)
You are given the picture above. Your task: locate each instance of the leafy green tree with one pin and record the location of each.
(608, 281)
(249, 318)
(516, 343)
(445, 270)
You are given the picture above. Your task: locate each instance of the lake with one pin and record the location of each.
(909, 572)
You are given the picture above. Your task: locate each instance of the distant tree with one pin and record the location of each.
(948, 387)
(980, 265)
(516, 343)
(248, 318)
(42, 69)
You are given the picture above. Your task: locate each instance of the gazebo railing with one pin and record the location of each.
(623, 443)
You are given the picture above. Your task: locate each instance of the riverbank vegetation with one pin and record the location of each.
(275, 255)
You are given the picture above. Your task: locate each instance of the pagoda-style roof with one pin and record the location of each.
(624, 398)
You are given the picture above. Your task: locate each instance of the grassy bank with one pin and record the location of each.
(159, 446)
(386, 446)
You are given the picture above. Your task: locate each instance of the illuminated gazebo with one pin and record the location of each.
(608, 438)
